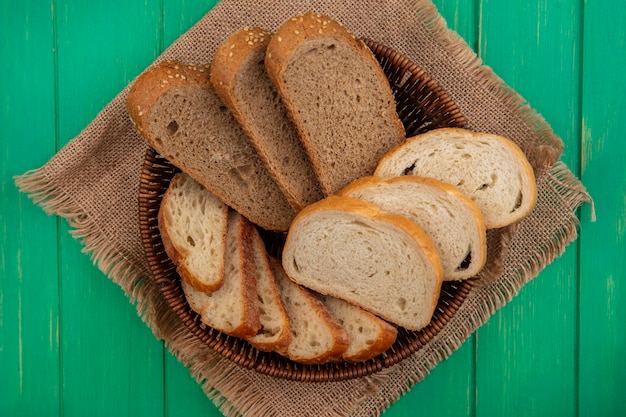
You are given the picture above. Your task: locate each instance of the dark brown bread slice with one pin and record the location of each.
(337, 95)
(239, 77)
(179, 114)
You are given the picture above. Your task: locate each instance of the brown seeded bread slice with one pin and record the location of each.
(369, 335)
(316, 336)
(450, 218)
(239, 77)
(274, 334)
(233, 309)
(490, 169)
(192, 222)
(175, 109)
(337, 95)
(382, 262)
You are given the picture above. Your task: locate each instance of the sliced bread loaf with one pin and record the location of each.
(450, 218)
(369, 335)
(192, 222)
(274, 334)
(490, 169)
(233, 309)
(178, 113)
(316, 336)
(337, 95)
(382, 262)
(239, 77)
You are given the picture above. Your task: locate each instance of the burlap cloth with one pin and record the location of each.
(93, 183)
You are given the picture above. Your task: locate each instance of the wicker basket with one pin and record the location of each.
(422, 105)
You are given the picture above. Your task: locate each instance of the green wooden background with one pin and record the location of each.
(72, 345)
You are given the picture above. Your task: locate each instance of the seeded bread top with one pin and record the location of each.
(176, 110)
(337, 95)
(239, 77)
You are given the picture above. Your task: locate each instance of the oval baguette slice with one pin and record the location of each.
(449, 217)
(239, 77)
(382, 262)
(192, 222)
(175, 109)
(274, 334)
(337, 95)
(369, 335)
(490, 169)
(232, 309)
(316, 336)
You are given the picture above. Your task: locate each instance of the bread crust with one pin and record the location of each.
(340, 337)
(176, 256)
(281, 342)
(152, 83)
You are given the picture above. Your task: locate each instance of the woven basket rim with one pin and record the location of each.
(436, 109)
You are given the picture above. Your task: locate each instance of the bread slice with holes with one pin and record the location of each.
(232, 309)
(450, 218)
(192, 222)
(175, 109)
(239, 77)
(316, 336)
(369, 335)
(490, 169)
(337, 95)
(274, 334)
(382, 262)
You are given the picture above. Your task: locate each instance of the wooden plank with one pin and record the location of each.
(29, 313)
(111, 362)
(603, 243)
(449, 389)
(526, 363)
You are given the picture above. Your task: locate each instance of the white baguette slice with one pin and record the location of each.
(382, 262)
(337, 95)
(239, 77)
(192, 222)
(233, 309)
(369, 335)
(274, 334)
(316, 336)
(449, 217)
(492, 170)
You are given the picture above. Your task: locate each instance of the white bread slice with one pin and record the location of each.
(449, 217)
(316, 336)
(192, 222)
(490, 169)
(337, 95)
(369, 335)
(175, 109)
(232, 309)
(239, 77)
(382, 262)
(274, 334)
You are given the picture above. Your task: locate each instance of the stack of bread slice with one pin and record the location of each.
(297, 132)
